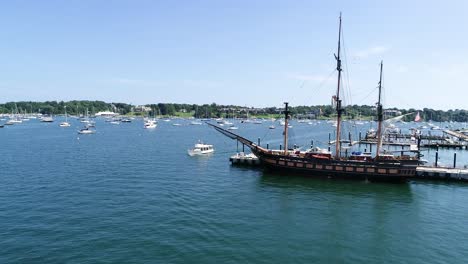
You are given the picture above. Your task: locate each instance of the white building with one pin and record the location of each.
(106, 113)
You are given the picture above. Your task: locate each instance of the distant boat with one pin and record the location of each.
(65, 124)
(195, 123)
(233, 128)
(13, 121)
(201, 149)
(150, 124)
(272, 127)
(47, 119)
(86, 130)
(176, 124)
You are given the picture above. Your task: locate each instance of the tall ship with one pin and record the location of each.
(383, 166)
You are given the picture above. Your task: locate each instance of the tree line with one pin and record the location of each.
(81, 107)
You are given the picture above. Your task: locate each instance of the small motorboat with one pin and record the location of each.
(86, 130)
(64, 124)
(47, 119)
(201, 149)
(150, 124)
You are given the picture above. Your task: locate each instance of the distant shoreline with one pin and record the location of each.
(363, 112)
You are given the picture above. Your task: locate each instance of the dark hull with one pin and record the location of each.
(382, 170)
(352, 170)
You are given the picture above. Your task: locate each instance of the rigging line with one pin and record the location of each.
(322, 82)
(266, 134)
(368, 95)
(346, 67)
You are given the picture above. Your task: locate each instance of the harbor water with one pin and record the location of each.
(131, 195)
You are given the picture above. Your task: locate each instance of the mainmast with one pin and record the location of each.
(379, 114)
(339, 110)
(286, 117)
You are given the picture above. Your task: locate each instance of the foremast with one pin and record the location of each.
(339, 110)
(379, 115)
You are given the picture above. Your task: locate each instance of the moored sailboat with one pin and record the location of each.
(65, 124)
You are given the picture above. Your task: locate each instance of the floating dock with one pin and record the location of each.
(437, 173)
(244, 159)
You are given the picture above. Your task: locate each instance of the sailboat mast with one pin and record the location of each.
(286, 117)
(339, 111)
(379, 114)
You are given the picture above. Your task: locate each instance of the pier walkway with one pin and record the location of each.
(458, 135)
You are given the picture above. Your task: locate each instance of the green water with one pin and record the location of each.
(129, 195)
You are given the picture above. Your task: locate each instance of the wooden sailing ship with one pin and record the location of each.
(319, 162)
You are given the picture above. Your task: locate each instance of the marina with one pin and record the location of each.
(233, 132)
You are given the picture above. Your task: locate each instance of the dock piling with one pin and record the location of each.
(454, 159)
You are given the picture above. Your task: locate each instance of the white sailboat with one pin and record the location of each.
(65, 124)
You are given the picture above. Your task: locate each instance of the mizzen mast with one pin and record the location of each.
(339, 110)
(286, 117)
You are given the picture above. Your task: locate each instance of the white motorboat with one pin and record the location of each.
(14, 121)
(201, 149)
(150, 124)
(47, 119)
(233, 128)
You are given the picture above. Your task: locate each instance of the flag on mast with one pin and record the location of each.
(417, 118)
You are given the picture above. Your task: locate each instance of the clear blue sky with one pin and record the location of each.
(253, 53)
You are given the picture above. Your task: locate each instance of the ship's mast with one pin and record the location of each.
(339, 110)
(379, 114)
(286, 117)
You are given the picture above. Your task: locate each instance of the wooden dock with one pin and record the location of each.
(458, 135)
(442, 144)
